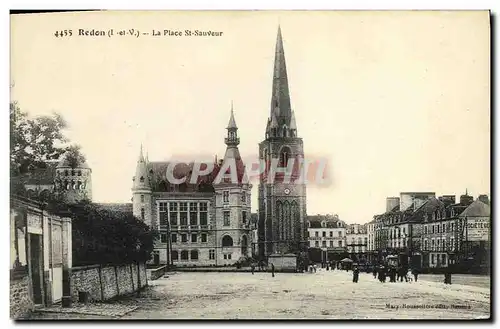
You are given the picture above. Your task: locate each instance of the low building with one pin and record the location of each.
(40, 257)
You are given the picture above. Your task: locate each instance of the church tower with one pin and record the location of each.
(141, 192)
(282, 199)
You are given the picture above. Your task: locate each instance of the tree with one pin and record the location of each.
(33, 141)
(102, 236)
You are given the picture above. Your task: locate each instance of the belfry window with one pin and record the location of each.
(284, 156)
(142, 213)
(141, 179)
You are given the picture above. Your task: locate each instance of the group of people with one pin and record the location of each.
(394, 273)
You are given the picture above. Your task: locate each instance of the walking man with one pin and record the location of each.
(355, 274)
(272, 269)
(253, 267)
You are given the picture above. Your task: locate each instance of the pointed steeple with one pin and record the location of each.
(280, 99)
(141, 179)
(232, 139)
(232, 122)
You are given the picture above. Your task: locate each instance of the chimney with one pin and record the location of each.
(391, 202)
(466, 199)
(484, 199)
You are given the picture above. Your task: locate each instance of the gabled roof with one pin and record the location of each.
(476, 209)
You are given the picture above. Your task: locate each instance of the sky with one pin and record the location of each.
(396, 101)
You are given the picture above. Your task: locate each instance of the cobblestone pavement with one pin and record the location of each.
(321, 295)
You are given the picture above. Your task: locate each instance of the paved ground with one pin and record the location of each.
(321, 295)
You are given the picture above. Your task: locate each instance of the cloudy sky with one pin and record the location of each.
(396, 101)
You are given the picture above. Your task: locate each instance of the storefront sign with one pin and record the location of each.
(34, 224)
(478, 229)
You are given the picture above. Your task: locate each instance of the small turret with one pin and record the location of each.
(73, 181)
(141, 191)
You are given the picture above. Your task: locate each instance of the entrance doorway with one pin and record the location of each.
(36, 267)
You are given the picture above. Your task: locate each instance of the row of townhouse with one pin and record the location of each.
(336, 239)
(432, 232)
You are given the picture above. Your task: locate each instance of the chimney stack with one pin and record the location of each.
(391, 202)
(484, 199)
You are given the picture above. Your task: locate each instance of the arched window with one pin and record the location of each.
(227, 241)
(141, 179)
(284, 156)
(175, 255)
(142, 213)
(184, 255)
(30, 194)
(285, 131)
(44, 195)
(194, 254)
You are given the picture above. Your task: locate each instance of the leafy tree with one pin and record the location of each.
(101, 236)
(33, 141)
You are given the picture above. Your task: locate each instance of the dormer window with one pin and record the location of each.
(142, 179)
(323, 224)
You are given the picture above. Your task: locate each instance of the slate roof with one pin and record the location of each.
(121, 207)
(476, 209)
(157, 171)
(331, 222)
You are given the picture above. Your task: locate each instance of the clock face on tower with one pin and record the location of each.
(287, 191)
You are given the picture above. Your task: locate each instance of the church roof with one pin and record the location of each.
(157, 171)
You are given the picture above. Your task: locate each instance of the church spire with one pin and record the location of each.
(280, 99)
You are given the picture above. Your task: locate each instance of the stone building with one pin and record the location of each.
(327, 233)
(357, 242)
(201, 222)
(456, 232)
(64, 178)
(282, 202)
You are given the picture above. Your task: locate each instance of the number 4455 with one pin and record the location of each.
(63, 33)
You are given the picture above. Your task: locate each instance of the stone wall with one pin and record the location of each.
(20, 300)
(106, 282)
(156, 273)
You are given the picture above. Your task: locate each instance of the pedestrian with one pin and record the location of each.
(252, 266)
(415, 274)
(404, 274)
(381, 273)
(398, 273)
(374, 271)
(393, 271)
(315, 268)
(272, 269)
(355, 274)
